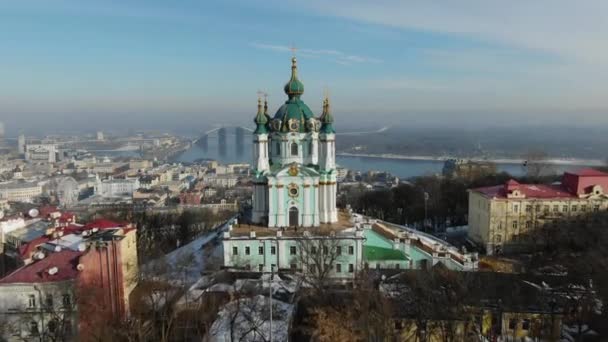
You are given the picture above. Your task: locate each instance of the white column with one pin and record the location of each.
(315, 149)
(333, 210)
(272, 219)
(306, 207)
(322, 205)
(280, 206)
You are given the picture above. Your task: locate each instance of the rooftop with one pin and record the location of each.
(343, 223)
(528, 190)
(38, 272)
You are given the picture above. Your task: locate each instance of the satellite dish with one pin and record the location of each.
(33, 212)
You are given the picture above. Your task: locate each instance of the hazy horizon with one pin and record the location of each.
(155, 64)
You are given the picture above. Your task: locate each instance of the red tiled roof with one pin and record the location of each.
(37, 272)
(27, 249)
(103, 224)
(47, 210)
(529, 190)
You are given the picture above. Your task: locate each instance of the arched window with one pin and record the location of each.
(310, 148)
(294, 149)
(278, 148)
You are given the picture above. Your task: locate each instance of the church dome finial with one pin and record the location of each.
(326, 118)
(261, 120)
(294, 87)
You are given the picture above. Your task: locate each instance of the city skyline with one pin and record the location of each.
(162, 63)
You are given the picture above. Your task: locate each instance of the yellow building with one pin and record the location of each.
(507, 216)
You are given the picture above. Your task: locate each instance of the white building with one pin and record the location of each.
(20, 192)
(41, 152)
(116, 187)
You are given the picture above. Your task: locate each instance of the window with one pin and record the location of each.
(310, 148)
(528, 224)
(66, 301)
(294, 149)
(261, 250)
(573, 208)
(351, 250)
(49, 300)
(339, 250)
(325, 250)
(351, 268)
(556, 208)
(293, 267)
(538, 207)
(515, 208)
(546, 208)
(338, 268)
(596, 208)
(498, 238)
(34, 328)
(528, 208)
(313, 250)
(583, 208)
(292, 250)
(514, 224)
(261, 267)
(525, 325)
(565, 208)
(247, 250)
(272, 267)
(397, 266)
(273, 250)
(278, 148)
(311, 268)
(512, 324)
(32, 301)
(235, 250)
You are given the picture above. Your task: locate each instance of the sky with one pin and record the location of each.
(194, 63)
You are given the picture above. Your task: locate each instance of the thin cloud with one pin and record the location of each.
(335, 55)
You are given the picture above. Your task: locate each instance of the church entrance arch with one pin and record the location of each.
(293, 217)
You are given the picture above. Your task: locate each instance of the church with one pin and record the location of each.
(294, 164)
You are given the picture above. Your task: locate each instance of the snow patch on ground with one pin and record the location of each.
(248, 319)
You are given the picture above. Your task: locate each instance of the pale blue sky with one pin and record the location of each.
(151, 61)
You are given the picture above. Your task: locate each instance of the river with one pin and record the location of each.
(403, 168)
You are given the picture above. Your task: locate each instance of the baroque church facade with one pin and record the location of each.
(294, 167)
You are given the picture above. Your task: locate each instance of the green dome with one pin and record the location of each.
(327, 119)
(293, 110)
(294, 87)
(261, 120)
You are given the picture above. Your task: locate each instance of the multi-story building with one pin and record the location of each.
(20, 191)
(116, 187)
(41, 152)
(77, 277)
(508, 215)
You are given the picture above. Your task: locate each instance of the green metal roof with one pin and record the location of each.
(373, 253)
(293, 109)
(294, 87)
(261, 120)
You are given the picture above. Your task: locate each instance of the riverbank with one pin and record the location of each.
(512, 161)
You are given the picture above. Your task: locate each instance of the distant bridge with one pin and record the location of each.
(241, 131)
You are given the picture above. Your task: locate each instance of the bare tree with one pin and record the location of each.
(317, 256)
